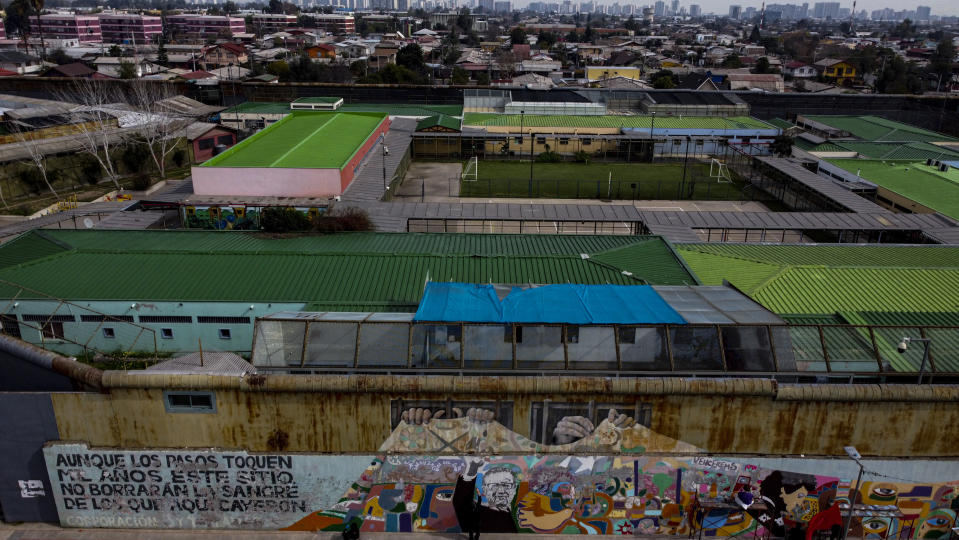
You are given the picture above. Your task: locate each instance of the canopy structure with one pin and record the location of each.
(565, 303)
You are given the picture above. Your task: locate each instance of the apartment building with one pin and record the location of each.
(266, 23)
(84, 28)
(129, 27)
(335, 24)
(203, 26)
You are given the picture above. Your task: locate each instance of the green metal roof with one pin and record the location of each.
(442, 120)
(781, 123)
(614, 121)
(874, 128)
(379, 271)
(926, 185)
(916, 151)
(258, 107)
(826, 280)
(303, 139)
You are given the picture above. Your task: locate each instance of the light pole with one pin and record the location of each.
(386, 152)
(854, 455)
(652, 129)
(904, 345)
(685, 162)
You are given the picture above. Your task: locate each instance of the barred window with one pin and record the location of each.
(51, 318)
(166, 319)
(222, 320)
(106, 318)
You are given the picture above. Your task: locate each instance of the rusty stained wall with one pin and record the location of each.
(353, 415)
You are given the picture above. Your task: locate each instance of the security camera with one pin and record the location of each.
(903, 345)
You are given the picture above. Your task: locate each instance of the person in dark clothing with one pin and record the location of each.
(499, 486)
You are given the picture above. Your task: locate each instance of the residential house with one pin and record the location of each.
(768, 82)
(352, 49)
(199, 75)
(19, 62)
(76, 69)
(205, 137)
(836, 70)
(799, 70)
(231, 73)
(223, 54)
(111, 65)
(382, 55)
(597, 73)
(321, 51)
(752, 50)
(697, 81)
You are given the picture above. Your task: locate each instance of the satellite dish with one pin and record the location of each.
(88, 223)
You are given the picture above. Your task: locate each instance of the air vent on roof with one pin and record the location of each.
(929, 161)
(935, 163)
(943, 167)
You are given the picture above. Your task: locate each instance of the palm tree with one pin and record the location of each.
(38, 9)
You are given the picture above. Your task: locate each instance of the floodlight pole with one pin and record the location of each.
(852, 495)
(386, 152)
(685, 162)
(925, 355)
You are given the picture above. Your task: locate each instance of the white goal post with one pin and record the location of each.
(471, 171)
(719, 171)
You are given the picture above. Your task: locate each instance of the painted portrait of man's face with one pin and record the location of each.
(499, 487)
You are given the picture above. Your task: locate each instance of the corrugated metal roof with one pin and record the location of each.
(378, 271)
(874, 128)
(830, 279)
(614, 121)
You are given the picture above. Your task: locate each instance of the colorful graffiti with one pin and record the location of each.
(241, 218)
(585, 493)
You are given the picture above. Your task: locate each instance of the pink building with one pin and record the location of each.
(205, 26)
(130, 28)
(268, 23)
(3, 30)
(85, 28)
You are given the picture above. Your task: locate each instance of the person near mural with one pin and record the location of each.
(490, 510)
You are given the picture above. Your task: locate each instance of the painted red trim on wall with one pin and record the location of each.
(346, 173)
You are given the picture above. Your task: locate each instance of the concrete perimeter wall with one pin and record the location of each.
(266, 182)
(349, 170)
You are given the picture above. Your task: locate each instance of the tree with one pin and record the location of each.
(162, 57)
(275, 6)
(230, 7)
(38, 11)
(762, 65)
(590, 35)
(732, 61)
(755, 35)
(279, 68)
(631, 24)
(38, 156)
(517, 36)
(782, 145)
(546, 40)
(411, 57)
(941, 61)
(127, 70)
(460, 75)
(464, 21)
(17, 19)
(359, 69)
(663, 83)
(162, 129)
(115, 51)
(59, 57)
(95, 121)
(482, 78)
(669, 78)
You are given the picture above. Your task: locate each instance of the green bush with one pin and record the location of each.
(549, 157)
(141, 182)
(179, 157)
(280, 220)
(349, 219)
(135, 157)
(90, 170)
(581, 157)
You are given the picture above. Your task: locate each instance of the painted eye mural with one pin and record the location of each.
(936, 524)
(875, 527)
(882, 493)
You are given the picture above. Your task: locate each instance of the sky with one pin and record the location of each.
(939, 7)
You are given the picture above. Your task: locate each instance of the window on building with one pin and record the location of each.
(166, 333)
(189, 402)
(564, 140)
(10, 325)
(206, 144)
(225, 333)
(540, 140)
(518, 140)
(52, 330)
(225, 139)
(572, 334)
(109, 333)
(587, 142)
(677, 142)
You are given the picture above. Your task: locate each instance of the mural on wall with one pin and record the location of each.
(639, 491)
(240, 218)
(469, 472)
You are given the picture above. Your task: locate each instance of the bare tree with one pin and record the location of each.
(96, 119)
(38, 155)
(159, 127)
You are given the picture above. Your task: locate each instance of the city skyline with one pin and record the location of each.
(939, 7)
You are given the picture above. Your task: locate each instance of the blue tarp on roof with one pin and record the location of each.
(571, 304)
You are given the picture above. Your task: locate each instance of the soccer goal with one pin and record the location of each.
(471, 171)
(719, 171)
